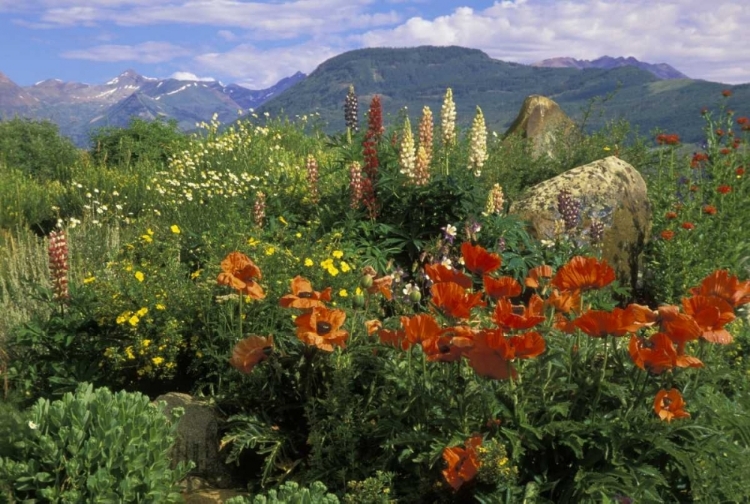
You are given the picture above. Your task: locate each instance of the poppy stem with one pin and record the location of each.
(242, 299)
(603, 373)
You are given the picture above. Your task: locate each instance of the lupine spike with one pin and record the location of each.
(355, 185)
(259, 209)
(312, 178)
(407, 155)
(425, 133)
(569, 208)
(477, 144)
(351, 109)
(58, 265)
(448, 119)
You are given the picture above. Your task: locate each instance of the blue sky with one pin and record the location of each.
(255, 43)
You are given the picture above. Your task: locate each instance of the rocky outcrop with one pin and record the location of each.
(543, 123)
(611, 191)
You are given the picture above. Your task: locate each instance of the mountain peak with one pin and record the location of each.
(659, 70)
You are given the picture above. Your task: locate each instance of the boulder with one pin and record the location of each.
(611, 191)
(543, 122)
(197, 438)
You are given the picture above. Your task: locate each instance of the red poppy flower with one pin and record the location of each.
(419, 328)
(709, 210)
(638, 316)
(396, 338)
(740, 171)
(321, 327)
(665, 139)
(600, 323)
(478, 260)
(565, 301)
(562, 323)
(670, 405)
(239, 273)
(521, 317)
(688, 225)
(442, 273)
(528, 345)
(680, 327)
(671, 215)
(454, 300)
(506, 287)
(726, 93)
(698, 158)
(711, 314)
(724, 189)
(583, 273)
(532, 280)
(491, 355)
(667, 234)
(303, 296)
(725, 286)
(657, 354)
(463, 463)
(251, 351)
(442, 349)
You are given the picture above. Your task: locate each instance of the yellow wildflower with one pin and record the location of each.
(123, 317)
(88, 280)
(150, 232)
(283, 221)
(195, 274)
(337, 254)
(129, 353)
(298, 235)
(308, 262)
(175, 228)
(345, 267)
(139, 276)
(143, 311)
(146, 343)
(332, 270)
(133, 320)
(252, 241)
(146, 238)
(358, 292)
(128, 268)
(157, 360)
(270, 251)
(160, 307)
(343, 293)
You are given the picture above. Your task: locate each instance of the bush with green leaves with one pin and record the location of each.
(141, 142)
(93, 446)
(291, 493)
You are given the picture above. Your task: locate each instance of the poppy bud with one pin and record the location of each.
(415, 296)
(358, 301)
(366, 281)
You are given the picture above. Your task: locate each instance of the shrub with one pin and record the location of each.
(141, 141)
(37, 149)
(93, 446)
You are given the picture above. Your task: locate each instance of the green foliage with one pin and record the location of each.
(291, 493)
(36, 149)
(93, 446)
(142, 141)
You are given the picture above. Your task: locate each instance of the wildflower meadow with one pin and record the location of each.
(367, 319)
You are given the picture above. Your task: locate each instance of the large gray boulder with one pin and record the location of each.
(611, 191)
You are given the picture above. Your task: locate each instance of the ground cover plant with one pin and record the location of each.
(371, 323)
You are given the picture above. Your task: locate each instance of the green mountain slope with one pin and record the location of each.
(414, 77)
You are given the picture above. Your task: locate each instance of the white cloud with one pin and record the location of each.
(259, 68)
(227, 35)
(146, 52)
(188, 76)
(701, 39)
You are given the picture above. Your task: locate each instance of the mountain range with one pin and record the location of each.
(648, 95)
(660, 70)
(80, 108)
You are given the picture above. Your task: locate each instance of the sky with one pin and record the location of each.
(256, 43)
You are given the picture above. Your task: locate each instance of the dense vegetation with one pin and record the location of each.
(300, 281)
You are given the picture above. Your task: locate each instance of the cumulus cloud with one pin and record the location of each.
(146, 52)
(261, 68)
(698, 38)
(188, 76)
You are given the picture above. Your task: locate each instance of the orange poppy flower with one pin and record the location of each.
(655, 354)
(420, 328)
(453, 299)
(442, 349)
(239, 273)
(521, 317)
(670, 405)
(725, 286)
(711, 314)
(303, 296)
(583, 273)
(382, 285)
(373, 326)
(562, 323)
(600, 323)
(528, 345)
(321, 327)
(442, 273)
(395, 338)
(680, 327)
(251, 351)
(478, 260)
(637, 316)
(565, 301)
(505, 287)
(491, 355)
(532, 280)
(463, 463)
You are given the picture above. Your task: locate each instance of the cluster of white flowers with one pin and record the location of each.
(477, 144)
(448, 119)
